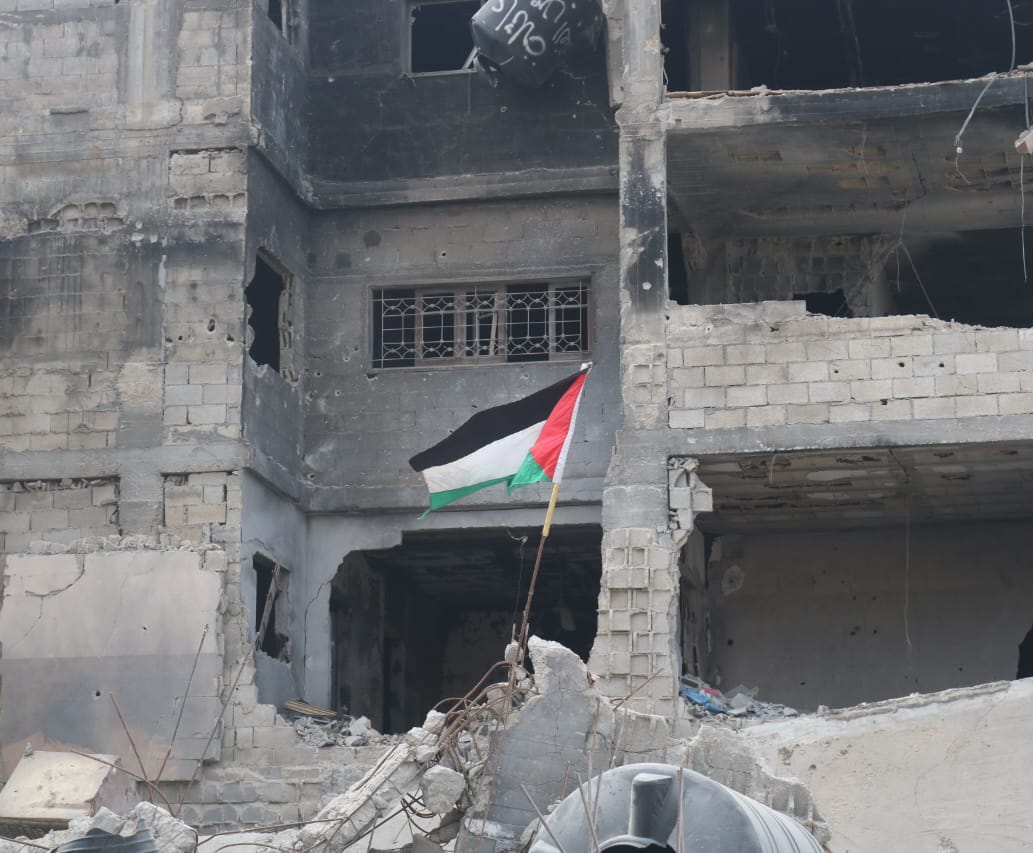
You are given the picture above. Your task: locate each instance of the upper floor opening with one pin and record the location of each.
(719, 45)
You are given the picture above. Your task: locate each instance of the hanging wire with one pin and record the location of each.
(1011, 18)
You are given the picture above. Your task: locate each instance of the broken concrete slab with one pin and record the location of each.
(441, 788)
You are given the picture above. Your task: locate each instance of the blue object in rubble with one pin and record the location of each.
(698, 697)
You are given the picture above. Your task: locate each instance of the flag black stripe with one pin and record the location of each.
(493, 424)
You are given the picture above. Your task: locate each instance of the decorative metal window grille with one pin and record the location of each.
(539, 321)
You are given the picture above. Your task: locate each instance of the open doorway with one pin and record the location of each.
(423, 621)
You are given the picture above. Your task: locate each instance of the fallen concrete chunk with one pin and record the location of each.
(441, 788)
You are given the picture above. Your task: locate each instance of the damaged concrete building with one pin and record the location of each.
(255, 255)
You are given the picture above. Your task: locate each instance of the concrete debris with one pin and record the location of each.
(705, 702)
(441, 788)
(342, 731)
(170, 834)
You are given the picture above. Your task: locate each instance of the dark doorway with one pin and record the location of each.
(424, 621)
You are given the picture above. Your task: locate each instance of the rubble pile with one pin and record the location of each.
(339, 731)
(706, 702)
(170, 834)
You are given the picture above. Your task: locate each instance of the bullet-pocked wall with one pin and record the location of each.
(373, 118)
(373, 402)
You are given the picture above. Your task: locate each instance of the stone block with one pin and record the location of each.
(1017, 361)
(850, 412)
(977, 406)
(891, 368)
(933, 365)
(948, 386)
(702, 356)
(868, 348)
(766, 374)
(954, 342)
(183, 395)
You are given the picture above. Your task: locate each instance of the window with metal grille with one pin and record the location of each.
(539, 321)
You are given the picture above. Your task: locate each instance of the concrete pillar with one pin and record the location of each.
(636, 646)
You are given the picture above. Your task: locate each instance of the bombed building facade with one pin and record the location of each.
(255, 255)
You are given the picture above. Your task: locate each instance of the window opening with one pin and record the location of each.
(816, 44)
(275, 12)
(439, 37)
(275, 642)
(270, 315)
(1026, 657)
(832, 304)
(677, 271)
(539, 321)
(674, 35)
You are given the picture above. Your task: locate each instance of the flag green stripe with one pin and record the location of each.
(440, 499)
(530, 472)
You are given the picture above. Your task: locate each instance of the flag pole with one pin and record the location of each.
(522, 636)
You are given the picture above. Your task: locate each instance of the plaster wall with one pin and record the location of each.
(79, 629)
(362, 425)
(373, 123)
(818, 618)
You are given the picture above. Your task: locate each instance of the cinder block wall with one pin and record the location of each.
(772, 364)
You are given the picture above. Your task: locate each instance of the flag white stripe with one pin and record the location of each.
(562, 461)
(498, 459)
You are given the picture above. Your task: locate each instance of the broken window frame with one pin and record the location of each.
(276, 643)
(501, 346)
(284, 317)
(287, 23)
(407, 42)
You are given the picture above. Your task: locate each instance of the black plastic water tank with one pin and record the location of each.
(638, 806)
(527, 40)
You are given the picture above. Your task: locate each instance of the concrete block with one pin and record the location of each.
(783, 353)
(702, 356)
(954, 342)
(766, 374)
(850, 412)
(977, 406)
(206, 415)
(1017, 361)
(688, 377)
(746, 395)
(868, 348)
(1016, 404)
(183, 395)
(924, 386)
(866, 390)
(891, 410)
(207, 374)
(933, 365)
(686, 419)
(966, 363)
(703, 398)
(827, 350)
(998, 383)
(808, 371)
(826, 392)
(933, 408)
(891, 368)
(780, 394)
(949, 386)
(850, 369)
(763, 416)
(745, 354)
(725, 375)
(725, 419)
(206, 514)
(997, 340)
(912, 345)
(807, 414)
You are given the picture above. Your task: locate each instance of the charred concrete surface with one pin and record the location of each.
(204, 204)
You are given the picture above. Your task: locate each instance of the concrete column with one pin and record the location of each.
(636, 646)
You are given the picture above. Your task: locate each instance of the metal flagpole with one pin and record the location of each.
(522, 636)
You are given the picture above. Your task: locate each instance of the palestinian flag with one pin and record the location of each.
(517, 444)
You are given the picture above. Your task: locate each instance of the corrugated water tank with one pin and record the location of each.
(649, 805)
